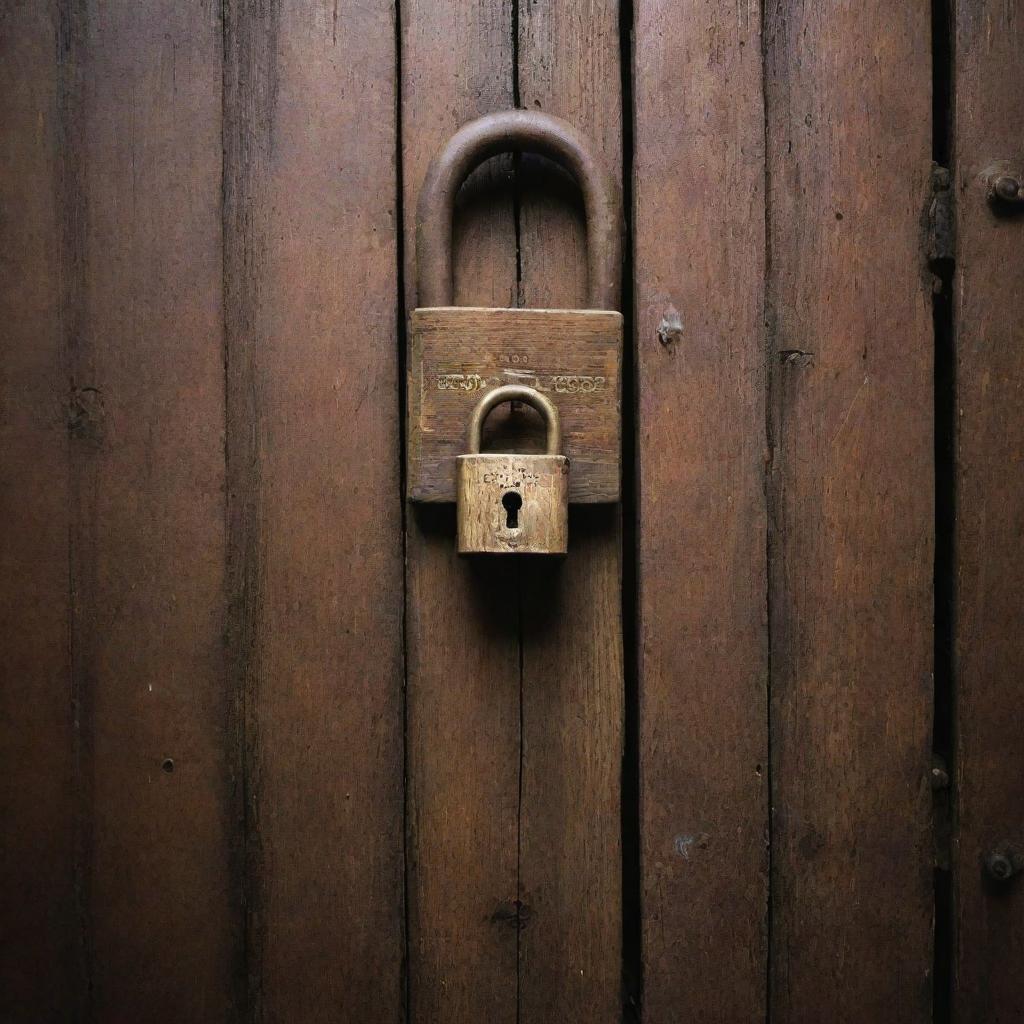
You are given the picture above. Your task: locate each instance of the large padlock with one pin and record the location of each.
(572, 357)
(513, 503)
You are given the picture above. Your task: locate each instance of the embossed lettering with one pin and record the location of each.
(460, 382)
(560, 383)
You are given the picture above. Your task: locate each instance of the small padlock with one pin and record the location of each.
(509, 503)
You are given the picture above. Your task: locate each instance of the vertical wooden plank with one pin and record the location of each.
(316, 512)
(483, 812)
(570, 865)
(38, 969)
(144, 330)
(703, 640)
(851, 494)
(988, 647)
(463, 617)
(570, 960)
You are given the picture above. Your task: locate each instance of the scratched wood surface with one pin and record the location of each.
(37, 787)
(851, 498)
(703, 636)
(570, 884)
(574, 357)
(313, 458)
(989, 402)
(462, 617)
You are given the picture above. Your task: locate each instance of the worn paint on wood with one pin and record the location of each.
(314, 455)
(989, 487)
(851, 498)
(698, 180)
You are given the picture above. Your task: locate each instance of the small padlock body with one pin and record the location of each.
(512, 504)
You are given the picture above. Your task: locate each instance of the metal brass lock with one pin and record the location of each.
(573, 357)
(509, 503)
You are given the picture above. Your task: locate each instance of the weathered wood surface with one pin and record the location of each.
(114, 398)
(851, 498)
(514, 867)
(144, 338)
(570, 873)
(313, 457)
(196, 830)
(130, 874)
(570, 887)
(39, 967)
(462, 616)
(698, 184)
(989, 486)
(574, 357)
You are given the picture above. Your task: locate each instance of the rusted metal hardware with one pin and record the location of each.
(513, 503)
(517, 131)
(1007, 189)
(1004, 188)
(1002, 863)
(940, 218)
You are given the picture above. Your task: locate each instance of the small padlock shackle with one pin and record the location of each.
(517, 130)
(516, 393)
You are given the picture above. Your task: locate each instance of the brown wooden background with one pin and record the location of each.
(272, 753)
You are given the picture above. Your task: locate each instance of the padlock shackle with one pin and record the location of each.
(516, 393)
(517, 131)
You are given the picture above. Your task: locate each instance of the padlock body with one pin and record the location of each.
(512, 504)
(458, 354)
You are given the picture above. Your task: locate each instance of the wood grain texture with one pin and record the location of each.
(314, 455)
(574, 357)
(851, 493)
(698, 180)
(143, 329)
(462, 625)
(38, 911)
(988, 645)
(570, 863)
(570, 957)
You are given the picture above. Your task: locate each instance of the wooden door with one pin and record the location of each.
(273, 753)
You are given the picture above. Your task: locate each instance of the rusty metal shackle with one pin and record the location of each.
(517, 393)
(517, 131)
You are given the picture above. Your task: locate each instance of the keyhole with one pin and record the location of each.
(513, 503)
